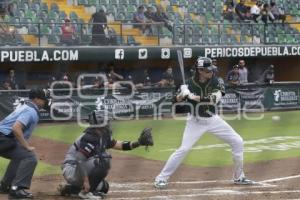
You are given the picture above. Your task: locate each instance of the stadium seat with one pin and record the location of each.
(103, 2)
(86, 39)
(93, 2)
(45, 29)
(33, 30)
(54, 7)
(53, 39)
(83, 2)
(131, 41)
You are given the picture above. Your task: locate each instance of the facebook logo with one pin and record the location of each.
(119, 54)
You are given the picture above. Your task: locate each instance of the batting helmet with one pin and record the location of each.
(204, 62)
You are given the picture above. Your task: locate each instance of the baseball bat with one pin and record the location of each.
(181, 66)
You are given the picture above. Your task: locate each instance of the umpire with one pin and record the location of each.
(15, 130)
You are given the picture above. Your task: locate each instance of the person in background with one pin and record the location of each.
(99, 22)
(243, 72)
(161, 16)
(268, 75)
(114, 75)
(149, 14)
(6, 85)
(141, 20)
(68, 34)
(214, 62)
(145, 81)
(228, 13)
(216, 75)
(64, 82)
(7, 33)
(266, 14)
(241, 10)
(277, 12)
(11, 78)
(233, 76)
(51, 79)
(167, 78)
(255, 11)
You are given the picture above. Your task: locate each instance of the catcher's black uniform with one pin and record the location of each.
(88, 157)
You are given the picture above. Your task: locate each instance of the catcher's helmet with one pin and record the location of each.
(99, 118)
(204, 62)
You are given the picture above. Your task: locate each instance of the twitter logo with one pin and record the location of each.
(143, 53)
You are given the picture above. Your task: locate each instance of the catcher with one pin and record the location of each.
(87, 162)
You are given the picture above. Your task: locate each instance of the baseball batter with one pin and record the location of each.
(203, 91)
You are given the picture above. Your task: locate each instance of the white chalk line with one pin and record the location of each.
(217, 191)
(280, 179)
(188, 189)
(175, 182)
(138, 184)
(211, 193)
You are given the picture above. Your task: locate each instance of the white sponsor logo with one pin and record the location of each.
(119, 54)
(187, 53)
(277, 95)
(143, 53)
(165, 53)
(285, 97)
(35, 56)
(251, 51)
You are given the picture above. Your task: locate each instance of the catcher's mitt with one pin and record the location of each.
(145, 138)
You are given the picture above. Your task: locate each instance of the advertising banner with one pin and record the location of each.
(76, 105)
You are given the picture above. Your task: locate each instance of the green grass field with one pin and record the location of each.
(168, 133)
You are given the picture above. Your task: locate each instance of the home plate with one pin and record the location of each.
(224, 192)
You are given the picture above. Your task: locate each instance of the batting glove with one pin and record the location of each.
(184, 91)
(194, 97)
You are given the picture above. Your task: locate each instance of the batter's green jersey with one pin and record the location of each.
(204, 108)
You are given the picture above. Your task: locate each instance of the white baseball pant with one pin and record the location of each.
(195, 128)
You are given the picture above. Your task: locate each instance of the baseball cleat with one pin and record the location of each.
(88, 195)
(160, 184)
(243, 181)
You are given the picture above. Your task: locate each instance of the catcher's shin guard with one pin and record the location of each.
(68, 190)
(97, 175)
(103, 187)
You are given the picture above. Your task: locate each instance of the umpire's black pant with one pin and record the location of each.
(21, 167)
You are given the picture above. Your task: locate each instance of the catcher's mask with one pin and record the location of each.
(100, 122)
(99, 118)
(43, 94)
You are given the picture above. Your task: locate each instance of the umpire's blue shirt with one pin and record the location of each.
(26, 114)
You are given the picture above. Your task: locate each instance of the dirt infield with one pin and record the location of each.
(132, 177)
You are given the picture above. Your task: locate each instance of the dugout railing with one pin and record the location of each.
(22, 32)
